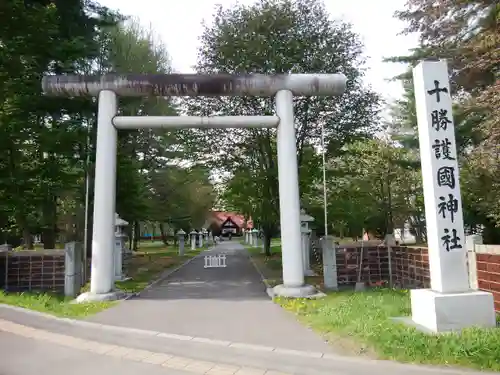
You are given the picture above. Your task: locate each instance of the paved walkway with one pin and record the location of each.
(55, 359)
(216, 303)
(33, 343)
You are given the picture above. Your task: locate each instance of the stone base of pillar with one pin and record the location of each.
(446, 312)
(305, 291)
(360, 287)
(122, 278)
(93, 297)
(309, 273)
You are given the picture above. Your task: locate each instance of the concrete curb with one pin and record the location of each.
(169, 336)
(162, 277)
(337, 358)
(269, 288)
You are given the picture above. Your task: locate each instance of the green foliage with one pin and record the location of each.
(465, 33)
(372, 185)
(49, 142)
(278, 37)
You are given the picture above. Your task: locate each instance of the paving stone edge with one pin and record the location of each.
(269, 288)
(169, 336)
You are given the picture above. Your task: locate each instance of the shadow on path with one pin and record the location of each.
(217, 303)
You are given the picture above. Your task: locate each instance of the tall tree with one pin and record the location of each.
(40, 134)
(466, 34)
(291, 36)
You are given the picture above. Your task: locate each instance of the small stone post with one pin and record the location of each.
(205, 235)
(250, 237)
(192, 236)
(247, 236)
(118, 250)
(255, 238)
(329, 263)
(470, 244)
(72, 268)
(200, 238)
(180, 235)
(306, 251)
(118, 257)
(305, 219)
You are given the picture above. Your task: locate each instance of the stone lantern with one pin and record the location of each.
(255, 238)
(305, 232)
(204, 235)
(192, 236)
(120, 238)
(200, 237)
(250, 237)
(180, 235)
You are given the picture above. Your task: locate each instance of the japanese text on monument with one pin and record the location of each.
(447, 173)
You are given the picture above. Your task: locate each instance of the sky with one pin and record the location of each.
(178, 24)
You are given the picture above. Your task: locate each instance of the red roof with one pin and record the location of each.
(221, 216)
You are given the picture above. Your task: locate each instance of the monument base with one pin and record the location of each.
(446, 312)
(305, 291)
(94, 297)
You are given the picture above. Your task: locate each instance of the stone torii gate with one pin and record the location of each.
(108, 87)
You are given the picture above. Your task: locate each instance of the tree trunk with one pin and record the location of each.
(130, 234)
(27, 238)
(49, 220)
(267, 245)
(267, 232)
(137, 233)
(163, 236)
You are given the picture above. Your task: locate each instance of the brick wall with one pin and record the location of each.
(33, 270)
(409, 267)
(488, 275)
(375, 264)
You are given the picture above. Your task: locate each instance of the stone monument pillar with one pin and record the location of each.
(449, 304)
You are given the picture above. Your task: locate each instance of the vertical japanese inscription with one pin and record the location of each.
(446, 176)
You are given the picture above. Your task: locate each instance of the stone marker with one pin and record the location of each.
(180, 235)
(255, 238)
(329, 263)
(120, 237)
(306, 251)
(73, 268)
(449, 304)
(305, 233)
(193, 235)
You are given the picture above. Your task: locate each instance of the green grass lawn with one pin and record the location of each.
(144, 267)
(360, 323)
